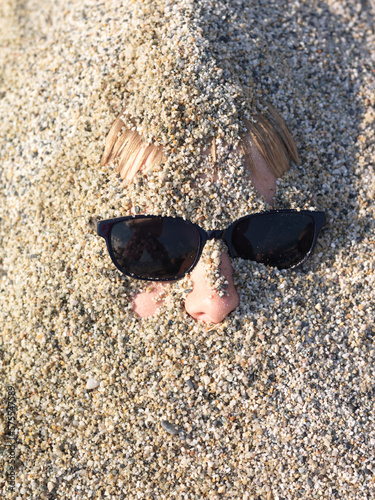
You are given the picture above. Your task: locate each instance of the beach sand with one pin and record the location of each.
(276, 402)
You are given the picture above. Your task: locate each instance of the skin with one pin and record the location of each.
(203, 303)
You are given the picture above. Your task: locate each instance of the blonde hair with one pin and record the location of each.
(268, 133)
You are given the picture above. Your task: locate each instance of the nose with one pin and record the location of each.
(204, 303)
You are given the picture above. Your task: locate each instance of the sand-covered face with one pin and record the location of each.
(190, 75)
(212, 196)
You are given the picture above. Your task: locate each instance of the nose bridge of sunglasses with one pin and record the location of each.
(215, 234)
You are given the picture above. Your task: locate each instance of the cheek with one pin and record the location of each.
(146, 303)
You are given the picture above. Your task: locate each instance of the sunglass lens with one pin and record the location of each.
(153, 248)
(282, 240)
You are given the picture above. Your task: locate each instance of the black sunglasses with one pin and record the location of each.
(156, 248)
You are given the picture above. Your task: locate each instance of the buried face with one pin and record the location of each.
(217, 188)
(197, 139)
(206, 302)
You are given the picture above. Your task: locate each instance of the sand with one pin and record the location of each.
(275, 402)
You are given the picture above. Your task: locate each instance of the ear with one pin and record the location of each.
(269, 133)
(262, 177)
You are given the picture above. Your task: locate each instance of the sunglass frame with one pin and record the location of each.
(104, 230)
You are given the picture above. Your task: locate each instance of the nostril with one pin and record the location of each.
(213, 310)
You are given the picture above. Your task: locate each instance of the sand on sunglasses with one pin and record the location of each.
(274, 402)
